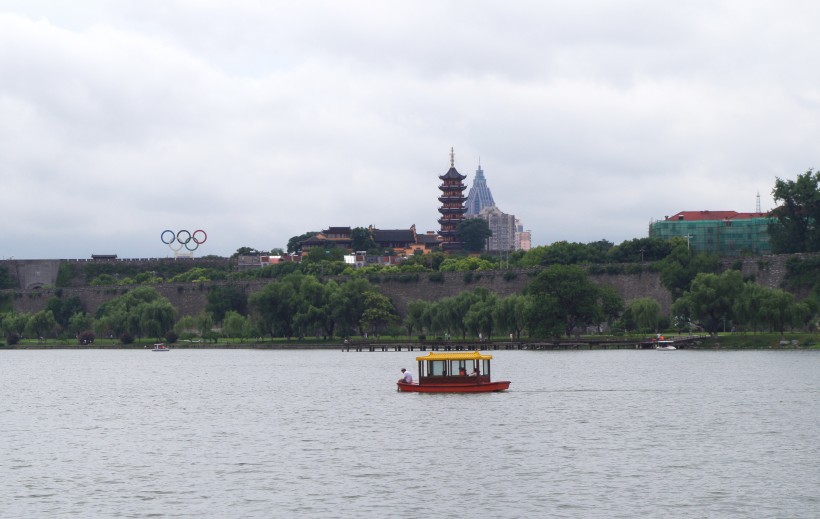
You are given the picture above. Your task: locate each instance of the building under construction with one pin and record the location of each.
(723, 233)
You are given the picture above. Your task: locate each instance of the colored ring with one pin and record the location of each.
(196, 246)
(179, 247)
(203, 240)
(173, 237)
(179, 237)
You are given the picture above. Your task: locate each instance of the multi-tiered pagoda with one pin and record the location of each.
(452, 205)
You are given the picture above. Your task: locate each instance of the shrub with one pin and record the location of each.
(126, 338)
(12, 339)
(86, 337)
(171, 337)
(436, 277)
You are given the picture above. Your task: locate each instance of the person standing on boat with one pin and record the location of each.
(406, 376)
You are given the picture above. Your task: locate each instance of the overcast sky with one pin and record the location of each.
(256, 121)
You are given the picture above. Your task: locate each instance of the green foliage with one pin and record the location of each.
(803, 273)
(225, 298)
(429, 261)
(41, 324)
(6, 302)
(295, 243)
(797, 228)
(348, 304)
(473, 234)
(246, 251)
(468, 263)
(564, 253)
(79, 322)
(274, 308)
(362, 239)
(639, 250)
(436, 277)
(64, 309)
(378, 313)
(14, 323)
(6, 280)
(199, 275)
(301, 305)
(678, 270)
(564, 299)
(511, 313)
(140, 312)
(236, 325)
(65, 274)
(711, 300)
(645, 313)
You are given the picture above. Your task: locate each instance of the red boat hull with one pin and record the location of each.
(485, 387)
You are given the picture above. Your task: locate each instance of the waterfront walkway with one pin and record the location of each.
(611, 343)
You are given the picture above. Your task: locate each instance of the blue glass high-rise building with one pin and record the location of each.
(479, 196)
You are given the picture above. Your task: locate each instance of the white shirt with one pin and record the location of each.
(408, 377)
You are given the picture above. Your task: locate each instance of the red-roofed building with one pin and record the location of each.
(724, 233)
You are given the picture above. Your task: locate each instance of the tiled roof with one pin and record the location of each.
(713, 215)
(428, 238)
(452, 173)
(337, 230)
(393, 235)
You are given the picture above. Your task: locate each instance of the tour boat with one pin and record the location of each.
(453, 372)
(160, 347)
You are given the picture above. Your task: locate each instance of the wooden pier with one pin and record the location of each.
(679, 342)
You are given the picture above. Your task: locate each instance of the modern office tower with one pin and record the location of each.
(479, 196)
(452, 205)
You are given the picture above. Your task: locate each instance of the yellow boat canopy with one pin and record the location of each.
(456, 355)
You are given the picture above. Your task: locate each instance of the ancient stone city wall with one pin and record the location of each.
(191, 298)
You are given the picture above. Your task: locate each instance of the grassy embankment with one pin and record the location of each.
(762, 341)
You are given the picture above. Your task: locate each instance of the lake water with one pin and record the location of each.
(247, 433)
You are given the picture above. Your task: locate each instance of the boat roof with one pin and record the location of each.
(455, 355)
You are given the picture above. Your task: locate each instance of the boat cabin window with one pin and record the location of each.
(454, 368)
(437, 368)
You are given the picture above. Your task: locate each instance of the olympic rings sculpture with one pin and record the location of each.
(183, 238)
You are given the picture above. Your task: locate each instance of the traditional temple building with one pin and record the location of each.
(452, 205)
(402, 242)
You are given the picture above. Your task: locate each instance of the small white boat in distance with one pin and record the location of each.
(665, 346)
(160, 347)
